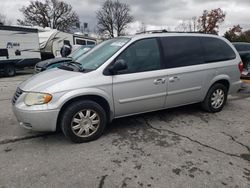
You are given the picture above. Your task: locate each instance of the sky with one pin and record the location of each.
(155, 14)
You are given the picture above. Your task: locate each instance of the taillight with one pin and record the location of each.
(240, 67)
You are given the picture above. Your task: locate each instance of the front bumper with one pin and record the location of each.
(38, 69)
(42, 120)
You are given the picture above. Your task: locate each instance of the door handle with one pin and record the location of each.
(174, 78)
(159, 81)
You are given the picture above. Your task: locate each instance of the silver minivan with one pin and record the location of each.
(129, 75)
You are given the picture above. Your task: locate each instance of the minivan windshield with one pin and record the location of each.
(101, 53)
(80, 51)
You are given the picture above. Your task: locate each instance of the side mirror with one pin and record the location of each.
(119, 65)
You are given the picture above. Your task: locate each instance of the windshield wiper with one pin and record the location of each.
(66, 68)
(76, 65)
(72, 66)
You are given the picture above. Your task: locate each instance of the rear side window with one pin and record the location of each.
(182, 51)
(216, 50)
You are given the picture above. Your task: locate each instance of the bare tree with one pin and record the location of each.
(142, 27)
(210, 20)
(4, 20)
(182, 26)
(190, 25)
(106, 20)
(122, 16)
(113, 17)
(194, 24)
(55, 14)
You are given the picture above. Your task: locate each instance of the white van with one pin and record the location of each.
(19, 48)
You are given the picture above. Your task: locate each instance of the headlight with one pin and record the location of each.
(37, 98)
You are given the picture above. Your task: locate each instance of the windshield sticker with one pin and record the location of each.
(117, 44)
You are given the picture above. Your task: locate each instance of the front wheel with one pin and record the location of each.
(83, 121)
(9, 70)
(216, 98)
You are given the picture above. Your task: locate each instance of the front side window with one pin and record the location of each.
(143, 55)
(216, 50)
(182, 51)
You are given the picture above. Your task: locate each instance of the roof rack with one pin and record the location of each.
(153, 31)
(165, 31)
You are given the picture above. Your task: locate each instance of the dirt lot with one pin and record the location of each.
(181, 147)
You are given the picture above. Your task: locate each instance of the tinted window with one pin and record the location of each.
(142, 56)
(247, 47)
(239, 47)
(67, 42)
(4, 52)
(182, 51)
(242, 47)
(216, 50)
(80, 42)
(90, 42)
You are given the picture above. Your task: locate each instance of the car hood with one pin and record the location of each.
(52, 61)
(55, 80)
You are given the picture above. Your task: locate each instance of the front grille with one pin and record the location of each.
(16, 95)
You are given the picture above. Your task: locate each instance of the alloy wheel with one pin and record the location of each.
(85, 123)
(217, 98)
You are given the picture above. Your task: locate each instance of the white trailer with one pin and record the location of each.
(51, 41)
(19, 48)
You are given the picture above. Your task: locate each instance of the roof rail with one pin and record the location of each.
(186, 32)
(165, 31)
(153, 31)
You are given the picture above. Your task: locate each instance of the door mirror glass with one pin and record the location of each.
(119, 65)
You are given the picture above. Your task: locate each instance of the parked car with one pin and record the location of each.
(55, 62)
(244, 50)
(126, 76)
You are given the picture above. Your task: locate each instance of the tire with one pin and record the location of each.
(215, 99)
(9, 70)
(79, 123)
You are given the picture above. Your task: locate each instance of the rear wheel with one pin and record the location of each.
(216, 98)
(9, 70)
(83, 121)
